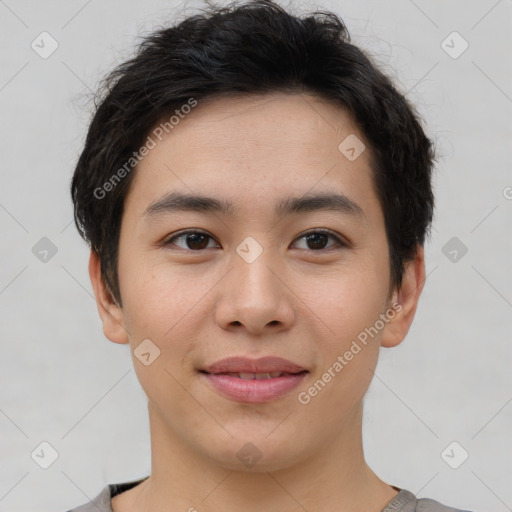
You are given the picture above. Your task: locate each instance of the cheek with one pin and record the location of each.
(159, 306)
(348, 304)
(168, 305)
(350, 296)
(157, 300)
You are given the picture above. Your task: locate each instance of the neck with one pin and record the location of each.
(336, 477)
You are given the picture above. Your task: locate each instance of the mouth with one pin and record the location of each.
(253, 381)
(264, 367)
(255, 376)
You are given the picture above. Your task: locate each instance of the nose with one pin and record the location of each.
(256, 297)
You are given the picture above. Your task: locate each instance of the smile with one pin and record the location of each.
(253, 387)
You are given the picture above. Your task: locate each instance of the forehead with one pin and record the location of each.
(301, 122)
(255, 148)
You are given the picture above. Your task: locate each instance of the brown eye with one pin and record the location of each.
(192, 240)
(197, 240)
(318, 240)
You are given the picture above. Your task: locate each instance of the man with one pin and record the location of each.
(256, 195)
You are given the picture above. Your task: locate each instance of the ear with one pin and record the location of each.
(405, 300)
(110, 313)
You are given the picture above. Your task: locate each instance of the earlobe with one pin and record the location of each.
(110, 312)
(406, 298)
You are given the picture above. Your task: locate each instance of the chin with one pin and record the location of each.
(256, 451)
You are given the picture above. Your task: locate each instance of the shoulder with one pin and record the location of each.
(102, 502)
(429, 505)
(406, 501)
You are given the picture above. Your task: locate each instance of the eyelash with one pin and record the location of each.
(340, 244)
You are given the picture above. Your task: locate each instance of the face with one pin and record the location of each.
(254, 280)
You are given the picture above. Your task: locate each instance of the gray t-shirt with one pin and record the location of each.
(404, 501)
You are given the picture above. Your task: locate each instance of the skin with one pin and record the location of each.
(294, 301)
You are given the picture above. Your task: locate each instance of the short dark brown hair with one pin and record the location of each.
(255, 47)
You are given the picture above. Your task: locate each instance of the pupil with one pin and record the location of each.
(196, 238)
(316, 242)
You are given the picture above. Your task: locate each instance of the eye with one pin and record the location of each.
(194, 240)
(317, 239)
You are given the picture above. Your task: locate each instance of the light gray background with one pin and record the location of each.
(63, 382)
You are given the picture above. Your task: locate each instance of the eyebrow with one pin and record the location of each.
(176, 202)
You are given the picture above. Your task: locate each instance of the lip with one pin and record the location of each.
(253, 391)
(256, 390)
(262, 365)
